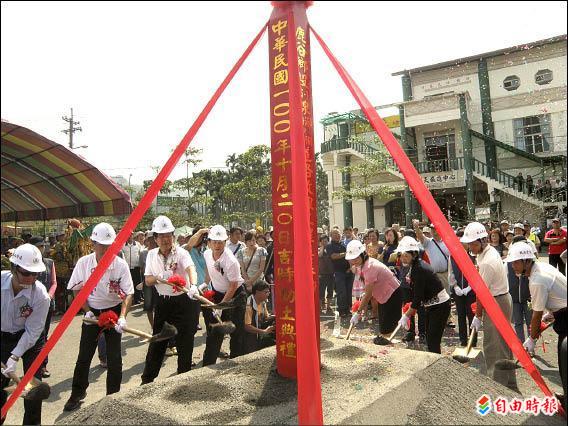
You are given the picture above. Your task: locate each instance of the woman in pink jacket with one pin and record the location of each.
(380, 284)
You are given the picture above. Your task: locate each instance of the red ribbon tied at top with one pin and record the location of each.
(209, 295)
(355, 306)
(406, 307)
(108, 319)
(474, 307)
(177, 281)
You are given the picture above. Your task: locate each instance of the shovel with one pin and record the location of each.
(35, 391)
(463, 355)
(222, 327)
(168, 331)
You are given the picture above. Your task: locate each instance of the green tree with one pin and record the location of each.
(321, 193)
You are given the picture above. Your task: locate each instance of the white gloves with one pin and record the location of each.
(139, 286)
(217, 312)
(203, 287)
(90, 315)
(192, 291)
(548, 317)
(475, 324)
(404, 322)
(355, 318)
(458, 291)
(466, 290)
(121, 323)
(11, 365)
(166, 275)
(529, 345)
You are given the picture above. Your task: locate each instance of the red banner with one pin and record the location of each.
(126, 231)
(427, 202)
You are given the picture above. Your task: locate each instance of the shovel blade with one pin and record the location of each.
(168, 331)
(461, 355)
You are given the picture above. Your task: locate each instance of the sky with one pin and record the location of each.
(138, 74)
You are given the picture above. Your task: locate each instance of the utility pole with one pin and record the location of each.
(72, 129)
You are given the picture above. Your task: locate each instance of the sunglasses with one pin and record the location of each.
(27, 273)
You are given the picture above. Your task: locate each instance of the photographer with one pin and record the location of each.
(259, 325)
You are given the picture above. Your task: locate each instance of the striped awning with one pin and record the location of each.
(44, 180)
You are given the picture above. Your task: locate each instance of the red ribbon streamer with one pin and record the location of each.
(307, 353)
(427, 202)
(126, 231)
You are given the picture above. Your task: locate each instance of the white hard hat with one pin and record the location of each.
(218, 233)
(408, 244)
(473, 232)
(28, 257)
(519, 225)
(354, 249)
(162, 225)
(520, 251)
(103, 233)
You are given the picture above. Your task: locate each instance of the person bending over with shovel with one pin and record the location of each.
(380, 284)
(25, 303)
(547, 286)
(172, 305)
(112, 293)
(224, 273)
(428, 291)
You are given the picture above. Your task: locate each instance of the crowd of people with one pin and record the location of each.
(548, 190)
(382, 270)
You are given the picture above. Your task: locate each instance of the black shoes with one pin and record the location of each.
(74, 402)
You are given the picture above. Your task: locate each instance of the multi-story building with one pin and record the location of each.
(470, 126)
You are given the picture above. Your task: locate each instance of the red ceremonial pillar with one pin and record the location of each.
(286, 280)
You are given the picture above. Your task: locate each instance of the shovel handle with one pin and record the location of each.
(16, 379)
(394, 332)
(349, 331)
(470, 341)
(127, 329)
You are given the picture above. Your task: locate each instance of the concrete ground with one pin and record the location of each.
(348, 386)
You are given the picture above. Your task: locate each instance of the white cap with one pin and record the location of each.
(162, 225)
(427, 229)
(354, 249)
(28, 257)
(520, 251)
(519, 225)
(473, 232)
(218, 233)
(407, 244)
(103, 233)
(320, 231)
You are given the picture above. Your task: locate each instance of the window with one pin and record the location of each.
(543, 77)
(439, 148)
(511, 83)
(533, 134)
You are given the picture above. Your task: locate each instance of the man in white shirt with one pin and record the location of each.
(25, 303)
(547, 286)
(131, 253)
(494, 274)
(436, 250)
(112, 293)
(173, 306)
(235, 244)
(224, 273)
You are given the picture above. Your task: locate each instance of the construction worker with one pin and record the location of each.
(25, 303)
(547, 287)
(172, 305)
(427, 291)
(224, 273)
(114, 293)
(494, 274)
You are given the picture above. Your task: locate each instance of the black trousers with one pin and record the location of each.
(465, 315)
(89, 339)
(436, 319)
(557, 262)
(215, 340)
(32, 409)
(45, 333)
(559, 327)
(138, 294)
(390, 312)
(183, 313)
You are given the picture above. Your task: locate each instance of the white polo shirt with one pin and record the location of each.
(177, 261)
(113, 287)
(25, 311)
(547, 286)
(493, 271)
(224, 270)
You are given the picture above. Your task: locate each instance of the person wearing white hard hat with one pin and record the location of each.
(25, 303)
(547, 286)
(224, 274)
(380, 284)
(520, 293)
(174, 306)
(428, 291)
(494, 274)
(114, 293)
